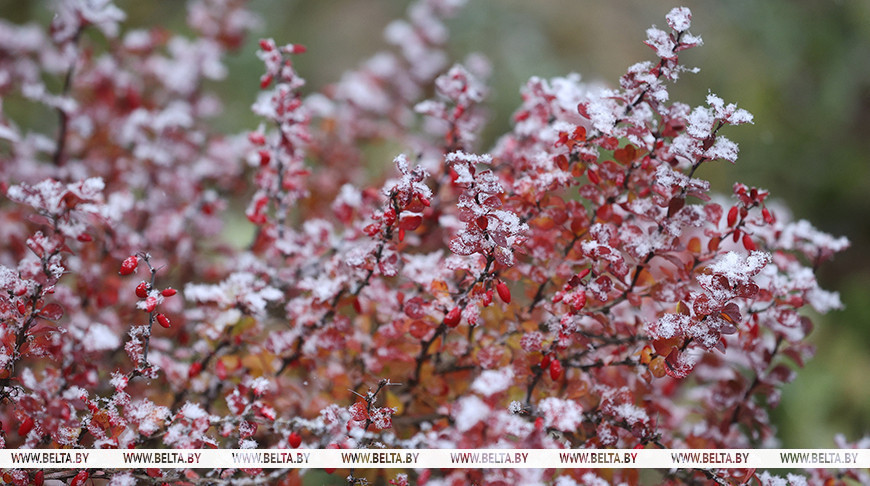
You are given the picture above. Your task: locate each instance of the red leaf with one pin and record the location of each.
(51, 312)
(625, 155)
(414, 308)
(593, 177)
(713, 212)
(410, 223)
(731, 313)
(675, 205)
(358, 411)
(25, 427)
(419, 329)
(678, 365)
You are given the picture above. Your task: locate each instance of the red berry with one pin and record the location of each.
(257, 138)
(503, 292)
(79, 478)
(39, 478)
(194, 369)
(129, 265)
(142, 289)
(168, 292)
(732, 216)
(294, 440)
(150, 304)
(487, 298)
(453, 317)
(579, 301)
(555, 369)
(220, 369)
(545, 361)
(163, 320)
(748, 243)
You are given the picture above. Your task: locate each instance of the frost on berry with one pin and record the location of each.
(359, 271)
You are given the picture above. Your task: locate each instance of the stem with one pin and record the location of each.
(425, 345)
(151, 316)
(59, 152)
(386, 235)
(370, 400)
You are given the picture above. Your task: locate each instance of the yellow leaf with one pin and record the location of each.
(394, 402)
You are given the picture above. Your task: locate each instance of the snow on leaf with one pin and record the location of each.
(561, 414)
(724, 149)
(701, 122)
(739, 268)
(679, 19)
(468, 412)
(490, 382)
(148, 416)
(668, 326)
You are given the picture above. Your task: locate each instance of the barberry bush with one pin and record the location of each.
(575, 285)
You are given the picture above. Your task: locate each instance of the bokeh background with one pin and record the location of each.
(802, 67)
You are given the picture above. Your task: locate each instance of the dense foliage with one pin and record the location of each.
(575, 285)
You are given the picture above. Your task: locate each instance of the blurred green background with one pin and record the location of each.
(802, 67)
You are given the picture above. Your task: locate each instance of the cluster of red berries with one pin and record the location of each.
(145, 290)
